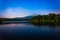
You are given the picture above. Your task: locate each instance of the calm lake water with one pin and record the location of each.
(29, 31)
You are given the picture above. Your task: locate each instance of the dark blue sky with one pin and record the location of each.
(21, 8)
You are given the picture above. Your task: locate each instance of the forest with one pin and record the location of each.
(46, 19)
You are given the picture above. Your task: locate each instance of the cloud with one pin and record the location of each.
(16, 12)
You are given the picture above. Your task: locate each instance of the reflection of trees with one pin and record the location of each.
(52, 27)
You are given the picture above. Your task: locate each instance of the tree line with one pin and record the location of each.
(39, 19)
(46, 19)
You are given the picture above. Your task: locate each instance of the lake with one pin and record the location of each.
(29, 31)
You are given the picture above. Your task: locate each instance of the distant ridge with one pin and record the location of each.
(30, 16)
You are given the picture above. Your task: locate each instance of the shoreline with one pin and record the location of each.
(31, 23)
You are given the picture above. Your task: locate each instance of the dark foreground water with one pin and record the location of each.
(29, 31)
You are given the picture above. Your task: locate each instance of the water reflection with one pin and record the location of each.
(24, 29)
(31, 26)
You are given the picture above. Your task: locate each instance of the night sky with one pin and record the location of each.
(22, 8)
